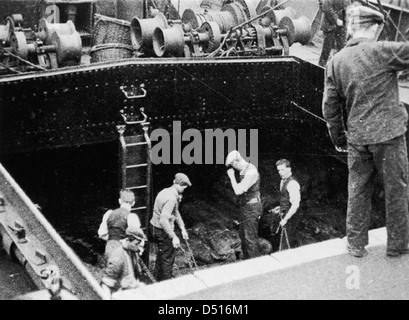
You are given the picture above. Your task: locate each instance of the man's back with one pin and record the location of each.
(364, 74)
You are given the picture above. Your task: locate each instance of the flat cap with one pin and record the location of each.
(137, 233)
(182, 179)
(360, 14)
(233, 155)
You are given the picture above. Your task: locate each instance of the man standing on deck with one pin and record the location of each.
(333, 27)
(361, 86)
(248, 190)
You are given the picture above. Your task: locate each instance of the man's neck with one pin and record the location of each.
(126, 206)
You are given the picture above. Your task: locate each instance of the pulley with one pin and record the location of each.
(209, 37)
(297, 30)
(142, 31)
(19, 45)
(193, 21)
(274, 16)
(237, 12)
(68, 47)
(46, 29)
(169, 42)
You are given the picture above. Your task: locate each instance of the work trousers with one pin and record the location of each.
(248, 230)
(166, 254)
(335, 39)
(390, 160)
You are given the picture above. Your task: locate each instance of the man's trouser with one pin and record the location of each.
(291, 230)
(335, 39)
(166, 254)
(248, 230)
(390, 160)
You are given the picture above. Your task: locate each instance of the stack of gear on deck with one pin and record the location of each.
(54, 45)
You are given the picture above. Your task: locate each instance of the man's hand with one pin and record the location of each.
(342, 149)
(276, 210)
(230, 173)
(185, 235)
(283, 222)
(176, 242)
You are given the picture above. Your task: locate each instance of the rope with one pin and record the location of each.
(25, 61)
(284, 233)
(146, 270)
(8, 68)
(191, 254)
(307, 111)
(189, 259)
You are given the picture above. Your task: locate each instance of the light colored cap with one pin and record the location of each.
(358, 15)
(231, 157)
(182, 179)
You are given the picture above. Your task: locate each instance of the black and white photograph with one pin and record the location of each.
(201, 155)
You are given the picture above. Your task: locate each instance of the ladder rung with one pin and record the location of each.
(137, 187)
(137, 166)
(136, 144)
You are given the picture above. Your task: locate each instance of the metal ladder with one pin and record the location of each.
(135, 161)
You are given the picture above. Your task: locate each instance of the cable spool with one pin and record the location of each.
(224, 19)
(19, 46)
(169, 42)
(46, 29)
(194, 20)
(274, 17)
(210, 36)
(248, 6)
(280, 14)
(142, 31)
(68, 47)
(237, 11)
(3, 34)
(298, 30)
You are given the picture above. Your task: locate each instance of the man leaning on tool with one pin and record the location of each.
(290, 198)
(362, 78)
(248, 190)
(165, 214)
(122, 270)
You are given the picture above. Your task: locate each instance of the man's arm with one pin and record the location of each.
(295, 198)
(249, 179)
(112, 274)
(133, 221)
(332, 110)
(103, 227)
(166, 216)
(396, 54)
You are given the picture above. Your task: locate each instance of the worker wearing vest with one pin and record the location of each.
(247, 188)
